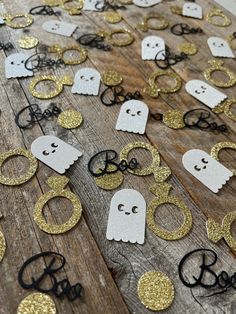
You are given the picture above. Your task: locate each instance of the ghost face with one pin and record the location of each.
(153, 47)
(86, 82)
(206, 169)
(15, 66)
(127, 216)
(55, 153)
(192, 10)
(219, 47)
(205, 93)
(133, 117)
(146, 3)
(59, 28)
(93, 5)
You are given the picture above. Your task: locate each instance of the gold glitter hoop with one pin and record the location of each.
(160, 173)
(112, 17)
(66, 80)
(62, 50)
(23, 178)
(217, 12)
(162, 192)
(115, 42)
(37, 303)
(215, 151)
(174, 119)
(70, 119)
(218, 66)
(155, 290)
(153, 90)
(9, 20)
(75, 10)
(57, 184)
(216, 231)
(143, 26)
(28, 42)
(2, 246)
(176, 10)
(230, 39)
(225, 108)
(111, 78)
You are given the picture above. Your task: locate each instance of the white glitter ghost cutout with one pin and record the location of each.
(205, 93)
(54, 152)
(59, 28)
(146, 3)
(133, 117)
(206, 169)
(220, 48)
(15, 66)
(127, 217)
(153, 47)
(93, 5)
(86, 82)
(191, 9)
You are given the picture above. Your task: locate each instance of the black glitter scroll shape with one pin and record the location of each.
(108, 157)
(58, 288)
(40, 60)
(35, 114)
(221, 281)
(181, 29)
(108, 5)
(6, 47)
(170, 58)
(117, 95)
(93, 41)
(43, 10)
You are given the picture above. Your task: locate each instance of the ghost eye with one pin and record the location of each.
(82, 77)
(120, 207)
(91, 78)
(139, 113)
(22, 61)
(134, 209)
(128, 111)
(222, 45)
(54, 145)
(204, 161)
(148, 45)
(45, 153)
(196, 168)
(12, 62)
(157, 45)
(202, 87)
(197, 92)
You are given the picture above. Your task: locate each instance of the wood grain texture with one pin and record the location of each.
(109, 271)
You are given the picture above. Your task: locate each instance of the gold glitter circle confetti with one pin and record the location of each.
(28, 42)
(155, 290)
(23, 178)
(111, 78)
(70, 119)
(112, 17)
(110, 181)
(37, 303)
(2, 246)
(215, 151)
(163, 197)
(57, 184)
(174, 119)
(188, 48)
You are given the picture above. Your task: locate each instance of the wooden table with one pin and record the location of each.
(108, 270)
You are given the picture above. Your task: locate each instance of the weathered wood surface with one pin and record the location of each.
(109, 271)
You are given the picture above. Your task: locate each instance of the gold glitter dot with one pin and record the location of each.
(2, 246)
(57, 184)
(174, 119)
(28, 42)
(188, 48)
(112, 17)
(110, 181)
(70, 119)
(155, 290)
(37, 303)
(111, 78)
(23, 178)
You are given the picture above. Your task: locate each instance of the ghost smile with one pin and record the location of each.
(127, 213)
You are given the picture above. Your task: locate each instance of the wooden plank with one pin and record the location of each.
(85, 246)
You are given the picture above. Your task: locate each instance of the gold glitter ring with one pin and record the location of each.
(225, 107)
(58, 81)
(215, 151)
(9, 20)
(163, 197)
(155, 157)
(57, 184)
(218, 66)
(72, 10)
(23, 178)
(115, 42)
(61, 51)
(144, 24)
(2, 246)
(37, 303)
(217, 12)
(155, 290)
(230, 39)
